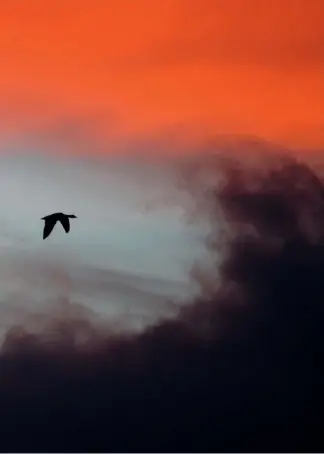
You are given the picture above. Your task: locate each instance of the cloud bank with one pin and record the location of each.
(239, 369)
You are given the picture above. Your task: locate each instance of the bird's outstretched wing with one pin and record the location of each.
(48, 227)
(66, 224)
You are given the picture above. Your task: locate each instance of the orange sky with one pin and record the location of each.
(140, 67)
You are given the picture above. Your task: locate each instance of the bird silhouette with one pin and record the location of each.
(52, 219)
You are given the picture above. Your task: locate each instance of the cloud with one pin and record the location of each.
(113, 261)
(239, 369)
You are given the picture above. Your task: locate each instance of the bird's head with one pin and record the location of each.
(72, 216)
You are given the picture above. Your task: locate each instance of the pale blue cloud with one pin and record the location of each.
(118, 257)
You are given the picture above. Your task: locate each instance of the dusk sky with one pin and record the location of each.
(79, 69)
(82, 79)
(183, 310)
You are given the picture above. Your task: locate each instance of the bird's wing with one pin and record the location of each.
(49, 226)
(66, 224)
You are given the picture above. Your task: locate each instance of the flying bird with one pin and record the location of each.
(52, 219)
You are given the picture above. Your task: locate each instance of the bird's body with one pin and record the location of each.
(52, 219)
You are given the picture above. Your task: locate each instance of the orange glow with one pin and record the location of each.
(144, 66)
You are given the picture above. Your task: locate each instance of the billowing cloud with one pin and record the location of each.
(239, 369)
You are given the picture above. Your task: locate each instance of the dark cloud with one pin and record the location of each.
(240, 369)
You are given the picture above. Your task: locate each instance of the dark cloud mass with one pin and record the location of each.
(240, 369)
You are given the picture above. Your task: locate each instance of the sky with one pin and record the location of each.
(97, 100)
(93, 72)
(87, 79)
